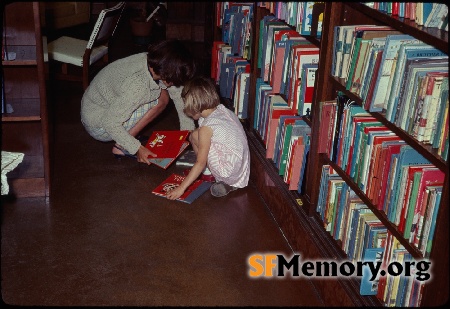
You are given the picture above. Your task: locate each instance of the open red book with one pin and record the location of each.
(197, 188)
(167, 145)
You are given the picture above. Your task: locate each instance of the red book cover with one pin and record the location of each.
(328, 109)
(277, 36)
(390, 151)
(297, 160)
(293, 64)
(302, 55)
(407, 9)
(373, 80)
(165, 162)
(412, 10)
(272, 129)
(355, 120)
(279, 52)
(367, 152)
(288, 171)
(431, 176)
(395, 8)
(166, 144)
(197, 188)
(280, 137)
(407, 194)
(215, 58)
(376, 164)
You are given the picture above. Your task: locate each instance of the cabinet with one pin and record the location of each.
(26, 129)
(296, 214)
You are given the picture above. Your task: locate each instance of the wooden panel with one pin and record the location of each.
(20, 27)
(304, 234)
(21, 82)
(33, 187)
(26, 138)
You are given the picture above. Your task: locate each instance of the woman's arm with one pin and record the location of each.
(186, 123)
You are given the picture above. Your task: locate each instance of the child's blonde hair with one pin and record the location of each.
(199, 94)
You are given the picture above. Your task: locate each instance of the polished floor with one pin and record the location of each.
(103, 239)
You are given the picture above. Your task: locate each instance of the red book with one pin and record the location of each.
(431, 176)
(197, 188)
(373, 80)
(165, 162)
(215, 58)
(272, 129)
(288, 172)
(167, 144)
(355, 120)
(327, 111)
(302, 55)
(407, 194)
(392, 149)
(395, 8)
(376, 164)
(297, 160)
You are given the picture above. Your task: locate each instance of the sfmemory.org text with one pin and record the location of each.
(276, 265)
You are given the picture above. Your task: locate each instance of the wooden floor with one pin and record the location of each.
(102, 239)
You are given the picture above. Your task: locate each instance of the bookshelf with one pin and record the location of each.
(26, 129)
(296, 214)
(341, 13)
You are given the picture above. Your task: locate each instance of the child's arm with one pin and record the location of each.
(204, 143)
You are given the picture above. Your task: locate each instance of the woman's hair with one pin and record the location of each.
(199, 94)
(171, 60)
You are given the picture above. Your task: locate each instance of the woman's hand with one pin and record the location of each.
(143, 154)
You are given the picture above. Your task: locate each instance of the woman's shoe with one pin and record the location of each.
(125, 153)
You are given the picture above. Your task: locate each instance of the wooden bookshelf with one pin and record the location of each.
(296, 214)
(25, 130)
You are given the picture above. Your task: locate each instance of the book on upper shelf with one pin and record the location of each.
(167, 145)
(307, 18)
(388, 63)
(278, 57)
(195, 190)
(304, 98)
(278, 106)
(351, 34)
(398, 101)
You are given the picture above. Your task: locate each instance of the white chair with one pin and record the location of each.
(85, 54)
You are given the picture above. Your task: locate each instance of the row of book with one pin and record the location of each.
(427, 14)
(236, 23)
(230, 66)
(285, 135)
(287, 63)
(296, 14)
(395, 177)
(397, 75)
(365, 238)
(232, 75)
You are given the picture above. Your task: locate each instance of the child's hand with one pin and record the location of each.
(175, 193)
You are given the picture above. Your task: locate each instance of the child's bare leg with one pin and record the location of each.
(193, 139)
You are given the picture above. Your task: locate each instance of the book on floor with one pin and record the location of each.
(195, 190)
(188, 159)
(165, 162)
(167, 145)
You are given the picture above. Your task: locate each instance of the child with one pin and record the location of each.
(130, 92)
(220, 142)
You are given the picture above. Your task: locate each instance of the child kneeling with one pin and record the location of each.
(219, 142)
